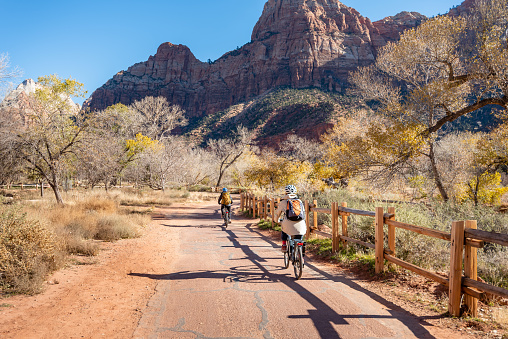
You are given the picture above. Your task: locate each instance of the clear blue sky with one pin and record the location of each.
(91, 41)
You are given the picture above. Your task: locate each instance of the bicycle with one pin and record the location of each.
(294, 253)
(225, 216)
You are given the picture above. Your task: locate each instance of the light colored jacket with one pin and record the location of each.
(288, 226)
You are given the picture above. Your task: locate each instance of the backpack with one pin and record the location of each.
(226, 199)
(295, 211)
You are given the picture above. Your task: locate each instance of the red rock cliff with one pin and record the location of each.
(297, 43)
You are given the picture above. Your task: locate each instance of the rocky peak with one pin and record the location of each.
(463, 9)
(19, 98)
(317, 16)
(295, 43)
(391, 26)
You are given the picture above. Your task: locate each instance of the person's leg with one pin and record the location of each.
(284, 238)
(229, 211)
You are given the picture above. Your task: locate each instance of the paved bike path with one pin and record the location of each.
(230, 283)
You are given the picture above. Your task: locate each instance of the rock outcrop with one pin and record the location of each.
(19, 98)
(296, 43)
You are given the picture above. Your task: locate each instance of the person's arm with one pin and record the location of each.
(280, 210)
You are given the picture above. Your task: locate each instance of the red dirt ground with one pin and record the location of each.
(96, 297)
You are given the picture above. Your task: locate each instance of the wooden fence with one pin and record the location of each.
(465, 240)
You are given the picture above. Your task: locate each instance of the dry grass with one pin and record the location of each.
(36, 235)
(500, 315)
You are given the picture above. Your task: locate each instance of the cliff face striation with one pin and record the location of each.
(295, 43)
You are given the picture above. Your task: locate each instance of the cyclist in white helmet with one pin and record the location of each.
(296, 229)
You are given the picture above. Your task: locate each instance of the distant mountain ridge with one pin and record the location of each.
(295, 43)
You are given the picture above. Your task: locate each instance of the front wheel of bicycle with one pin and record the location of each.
(298, 263)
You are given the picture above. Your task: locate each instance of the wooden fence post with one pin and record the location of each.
(335, 226)
(471, 271)
(379, 241)
(307, 222)
(254, 206)
(272, 209)
(455, 278)
(314, 216)
(265, 207)
(391, 232)
(344, 227)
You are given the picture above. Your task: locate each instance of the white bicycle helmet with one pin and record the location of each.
(290, 189)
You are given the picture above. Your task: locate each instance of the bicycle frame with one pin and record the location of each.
(226, 217)
(295, 255)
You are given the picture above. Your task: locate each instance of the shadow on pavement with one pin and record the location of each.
(323, 316)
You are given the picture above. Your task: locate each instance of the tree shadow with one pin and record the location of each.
(322, 316)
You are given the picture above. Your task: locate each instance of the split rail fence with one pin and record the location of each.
(465, 240)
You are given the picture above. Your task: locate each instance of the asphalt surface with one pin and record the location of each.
(230, 283)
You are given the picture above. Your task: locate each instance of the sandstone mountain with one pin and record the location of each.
(295, 44)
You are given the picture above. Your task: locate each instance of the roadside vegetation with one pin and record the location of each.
(395, 135)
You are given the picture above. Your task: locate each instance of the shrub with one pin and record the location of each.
(28, 252)
(115, 227)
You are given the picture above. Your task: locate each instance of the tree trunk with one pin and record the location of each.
(58, 196)
(435, 172)
(42, 188)
(221, 173)
(475, 192)
(54, 184)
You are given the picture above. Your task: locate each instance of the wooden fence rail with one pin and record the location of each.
(465, 240)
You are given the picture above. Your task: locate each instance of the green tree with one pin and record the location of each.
(54, 129)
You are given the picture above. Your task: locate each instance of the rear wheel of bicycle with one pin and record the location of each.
(226, 219)
(298, 263)
(286, 257)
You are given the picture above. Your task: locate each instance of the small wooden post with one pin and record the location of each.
(265, 207)
(379, 242)
(241, 201)
(307, 222)
(314, 216)
(391, 232)
(254, 206)
(272, 209)
(344, 227)
(471, 270)
(457, 248)
(335, 226)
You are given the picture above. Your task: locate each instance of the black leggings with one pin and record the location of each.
(228, 207)
(284, 236)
